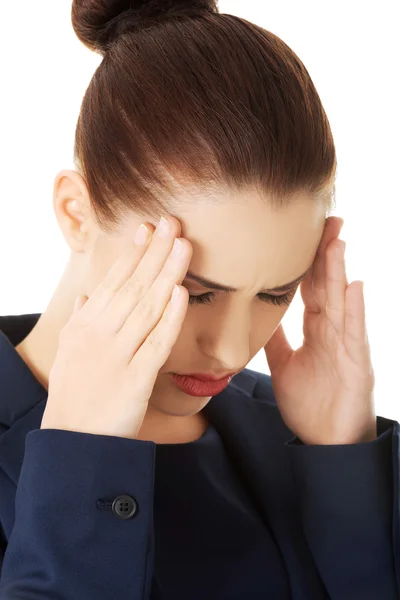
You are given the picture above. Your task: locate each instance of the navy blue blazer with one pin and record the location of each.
(334, 511)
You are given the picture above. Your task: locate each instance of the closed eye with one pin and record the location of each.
(283, 300)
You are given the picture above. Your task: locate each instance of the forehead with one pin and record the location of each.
(243, 241)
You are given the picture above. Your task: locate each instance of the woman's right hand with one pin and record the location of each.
(113, 346)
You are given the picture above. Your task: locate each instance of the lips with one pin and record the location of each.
(206, 376)
(196, 387)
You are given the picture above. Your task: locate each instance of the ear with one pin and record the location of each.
(71, 203)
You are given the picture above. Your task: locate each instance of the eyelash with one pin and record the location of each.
(276, 300)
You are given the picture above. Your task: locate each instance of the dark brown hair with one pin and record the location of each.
(189, 99)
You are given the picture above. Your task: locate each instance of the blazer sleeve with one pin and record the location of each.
(350, 506)
(68, 542)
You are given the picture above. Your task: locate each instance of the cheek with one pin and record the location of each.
(267, 315)
(265, 320)
(256, 324)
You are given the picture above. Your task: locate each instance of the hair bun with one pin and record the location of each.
(97, 23)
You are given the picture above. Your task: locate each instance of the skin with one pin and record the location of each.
(238, 241)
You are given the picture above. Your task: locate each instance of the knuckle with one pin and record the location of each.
(77, 321)
(88, 337)
(70, 330)
(329, 307)
(154, 342)
(146, 311)
(157, 343)
(159, 339)
(133, 286)
(108, 281)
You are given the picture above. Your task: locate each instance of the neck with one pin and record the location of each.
(39, 348)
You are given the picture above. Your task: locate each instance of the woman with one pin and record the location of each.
(122, 475)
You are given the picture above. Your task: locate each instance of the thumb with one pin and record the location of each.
(278, 350)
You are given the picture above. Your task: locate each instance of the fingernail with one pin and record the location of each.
(175, 294)
(141, 235)
(177, 249)
(163, 228)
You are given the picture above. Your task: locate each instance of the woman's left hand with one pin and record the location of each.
(325, 388)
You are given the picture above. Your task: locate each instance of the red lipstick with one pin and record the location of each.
(201, 384)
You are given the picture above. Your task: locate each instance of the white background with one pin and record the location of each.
(351, 51)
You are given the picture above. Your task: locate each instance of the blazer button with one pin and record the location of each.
(124, 507)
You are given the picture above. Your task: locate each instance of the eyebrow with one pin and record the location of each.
(213, 285)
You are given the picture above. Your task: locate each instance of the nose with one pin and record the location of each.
(228, 346)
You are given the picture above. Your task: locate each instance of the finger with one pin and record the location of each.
(356, 337)
(159, 343)
(117, 276)
(158, 252)
(332, 229)
(336, 284)
(307, 295)
(149, 309)
(137, 285)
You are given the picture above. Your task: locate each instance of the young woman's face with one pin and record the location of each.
(238, 242)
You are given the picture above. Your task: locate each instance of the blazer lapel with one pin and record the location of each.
(254, 436)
